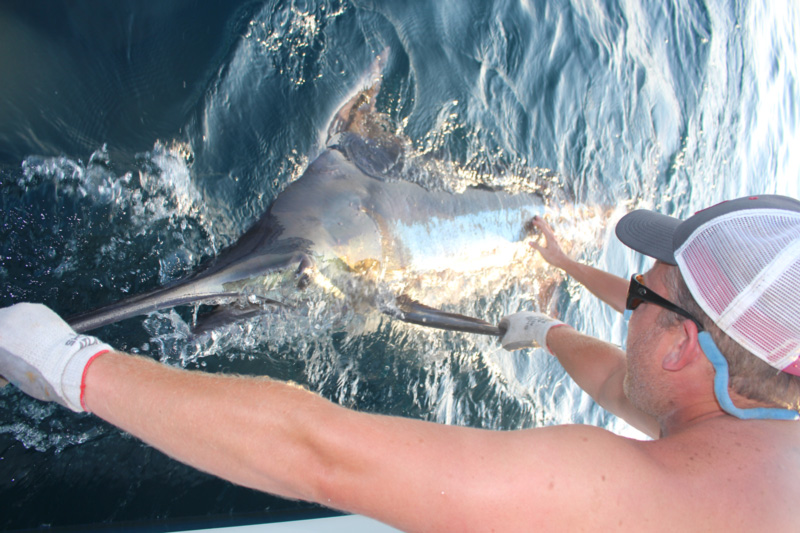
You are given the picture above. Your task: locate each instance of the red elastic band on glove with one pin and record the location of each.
(83, 376)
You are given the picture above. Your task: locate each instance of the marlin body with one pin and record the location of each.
(352, 224)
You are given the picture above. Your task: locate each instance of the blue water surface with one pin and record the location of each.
(138, 139)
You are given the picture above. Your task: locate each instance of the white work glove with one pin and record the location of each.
(526, 329)
(43, 356)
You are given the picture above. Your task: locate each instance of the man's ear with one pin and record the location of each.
(685, 349)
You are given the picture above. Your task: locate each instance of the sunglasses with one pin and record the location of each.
(639, 294)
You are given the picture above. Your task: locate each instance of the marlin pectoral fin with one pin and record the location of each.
(225, 315)
(414, 312)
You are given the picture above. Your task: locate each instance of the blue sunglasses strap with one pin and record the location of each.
(721, 379)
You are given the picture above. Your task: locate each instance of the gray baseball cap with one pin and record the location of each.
(741, 262)
(658, 236)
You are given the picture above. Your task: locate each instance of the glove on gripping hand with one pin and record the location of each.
(43, 356)
(526, 329)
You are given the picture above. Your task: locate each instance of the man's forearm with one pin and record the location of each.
(219, 424)
(608, 287)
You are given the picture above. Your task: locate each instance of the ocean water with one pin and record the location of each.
(139, 138)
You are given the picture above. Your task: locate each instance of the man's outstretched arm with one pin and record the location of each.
(598, 367)
(411, 474)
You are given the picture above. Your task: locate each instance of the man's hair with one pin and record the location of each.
(749, 375)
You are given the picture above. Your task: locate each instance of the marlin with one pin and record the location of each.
(350, 224)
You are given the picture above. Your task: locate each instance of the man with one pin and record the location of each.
(709, 470)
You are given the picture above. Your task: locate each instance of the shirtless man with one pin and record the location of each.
(724, 458)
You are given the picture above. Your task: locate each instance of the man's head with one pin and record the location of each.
(739, 265)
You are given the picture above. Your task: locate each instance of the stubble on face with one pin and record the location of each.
(643, 384)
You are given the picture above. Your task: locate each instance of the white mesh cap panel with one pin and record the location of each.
(744, 270)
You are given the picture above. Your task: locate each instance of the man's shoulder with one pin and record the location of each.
(588, 451)
(751, 470)
(614, 481)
